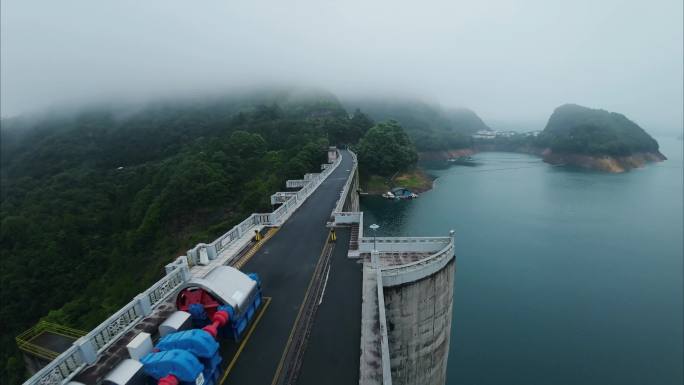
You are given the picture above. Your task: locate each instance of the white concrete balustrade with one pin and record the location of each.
(281, 197)
(414, 271)
(87, 348)
(339, 206)
(347, 217)
(403, 244)
(296, 183)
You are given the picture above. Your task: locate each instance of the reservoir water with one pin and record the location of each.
(562, 276)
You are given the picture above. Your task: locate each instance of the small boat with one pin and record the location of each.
(462, 160)
(400, 193)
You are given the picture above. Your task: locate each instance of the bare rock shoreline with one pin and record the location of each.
(604, 163)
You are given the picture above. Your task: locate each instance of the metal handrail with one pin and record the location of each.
(24, 340)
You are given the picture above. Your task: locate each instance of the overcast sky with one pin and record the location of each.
(508, 60)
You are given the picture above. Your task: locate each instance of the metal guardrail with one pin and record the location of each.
(25, 339)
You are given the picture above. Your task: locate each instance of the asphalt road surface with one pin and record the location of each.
(332, 355)
(285, 264)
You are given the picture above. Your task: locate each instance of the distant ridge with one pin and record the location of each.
(430, 127)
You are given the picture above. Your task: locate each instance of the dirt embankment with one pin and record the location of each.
(446, 154)
(457, 153)
(605, 163)
(416, 180)
(612, 164)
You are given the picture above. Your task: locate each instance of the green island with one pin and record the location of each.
(596, 139)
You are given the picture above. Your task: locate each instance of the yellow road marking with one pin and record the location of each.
(245, 258)
(267, 301)
(299, 313)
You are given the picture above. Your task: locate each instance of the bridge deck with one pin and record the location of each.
(285, 264)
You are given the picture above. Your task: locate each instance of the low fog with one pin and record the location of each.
(512, 62)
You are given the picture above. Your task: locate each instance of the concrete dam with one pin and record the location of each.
(328, 303)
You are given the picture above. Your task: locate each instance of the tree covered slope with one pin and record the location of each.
(581, 130)
(596, 139)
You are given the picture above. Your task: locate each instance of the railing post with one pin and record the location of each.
(168, 269)
(144, 303)
(86, 350)
(375, 259)
(185, 273)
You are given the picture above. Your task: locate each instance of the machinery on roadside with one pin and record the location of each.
(211, 310)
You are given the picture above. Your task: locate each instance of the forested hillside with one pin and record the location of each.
(386, 149)
(581, 130)
(430, 127)
(95, 203)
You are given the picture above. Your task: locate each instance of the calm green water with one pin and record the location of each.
(562, 277)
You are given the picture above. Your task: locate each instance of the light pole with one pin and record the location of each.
(374, 227)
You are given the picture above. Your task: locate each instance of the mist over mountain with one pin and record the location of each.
(430, 126)
(508, 61)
